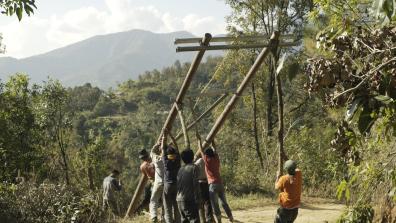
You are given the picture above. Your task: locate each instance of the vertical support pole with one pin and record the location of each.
(221, 119)
(173, 112)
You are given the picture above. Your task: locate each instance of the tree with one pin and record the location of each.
(55, 118)
(19, 135)
(11, 7)
(356, 72)
(264, 17)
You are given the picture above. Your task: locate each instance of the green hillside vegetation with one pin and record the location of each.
(338, 88)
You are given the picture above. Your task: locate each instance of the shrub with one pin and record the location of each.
(29, 203)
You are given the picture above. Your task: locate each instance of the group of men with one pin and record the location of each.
(189, 193)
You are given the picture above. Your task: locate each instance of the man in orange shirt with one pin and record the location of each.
(290, 193)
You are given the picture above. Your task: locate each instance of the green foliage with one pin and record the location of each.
(84, 97)
(358, 214)
(29, 203)
(11, 7)
(18, 139)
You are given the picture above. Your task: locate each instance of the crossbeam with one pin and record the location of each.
(231, 47)
(230, 39)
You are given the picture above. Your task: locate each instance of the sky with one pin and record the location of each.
(57, 23)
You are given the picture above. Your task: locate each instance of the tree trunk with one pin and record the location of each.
(280, 122)
(255, 130)
(65, 166)
(270, 95)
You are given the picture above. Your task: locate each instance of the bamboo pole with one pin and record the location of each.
(220, 99)
(231, 47)
(231, 38)
(183, 124)
(133, 205)
(173, 112)
(273, 44)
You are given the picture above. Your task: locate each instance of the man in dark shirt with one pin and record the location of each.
(171, 159)
(188, 193)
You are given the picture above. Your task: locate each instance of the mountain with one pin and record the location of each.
(103, 60)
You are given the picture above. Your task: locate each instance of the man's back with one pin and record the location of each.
(171, 167)
(290, 196)
(187, 183)
(212, 168)
(147, 168)
(110, 185)
(158, 167)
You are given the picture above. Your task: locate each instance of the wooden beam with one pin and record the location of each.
(173, 112)
(231, 39)
(231, 47)
(273, 44)
(220, 99)
(133, 205)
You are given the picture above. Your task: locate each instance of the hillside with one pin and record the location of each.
(103, 60)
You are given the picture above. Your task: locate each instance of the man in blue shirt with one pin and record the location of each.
(171, 159)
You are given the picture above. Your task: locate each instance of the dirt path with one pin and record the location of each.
(313, 211)
(316, 213)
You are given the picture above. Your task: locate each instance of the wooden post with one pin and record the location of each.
(133, 205)
(221, 119)
(183, 124)
(173, 112)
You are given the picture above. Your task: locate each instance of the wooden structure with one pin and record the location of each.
(204, 45)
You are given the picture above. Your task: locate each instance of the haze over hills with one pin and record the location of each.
(103, 60)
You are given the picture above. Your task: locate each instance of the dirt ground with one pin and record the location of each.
(313, 213)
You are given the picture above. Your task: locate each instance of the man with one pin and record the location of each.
(290, 193)
(188, 193)
(216, 187)
(205, 208)
(110, 185)
(171, 159)
(147, 169)
(158, 185)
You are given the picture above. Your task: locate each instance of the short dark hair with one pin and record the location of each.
(171, 150)
(187, 156)
(115, 172)
(209, 152)
(143, 154)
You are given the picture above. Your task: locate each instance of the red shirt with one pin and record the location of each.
(148, 169)
(212, 169)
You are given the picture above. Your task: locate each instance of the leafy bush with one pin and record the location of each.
(29, 203)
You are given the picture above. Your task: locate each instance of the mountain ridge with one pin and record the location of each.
(102, 60)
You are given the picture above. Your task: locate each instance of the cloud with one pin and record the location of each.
(37, 35)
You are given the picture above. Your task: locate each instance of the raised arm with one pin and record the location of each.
(200, 149)
(277, 184)
(214, 146)
(163, 144)
(174, 141)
